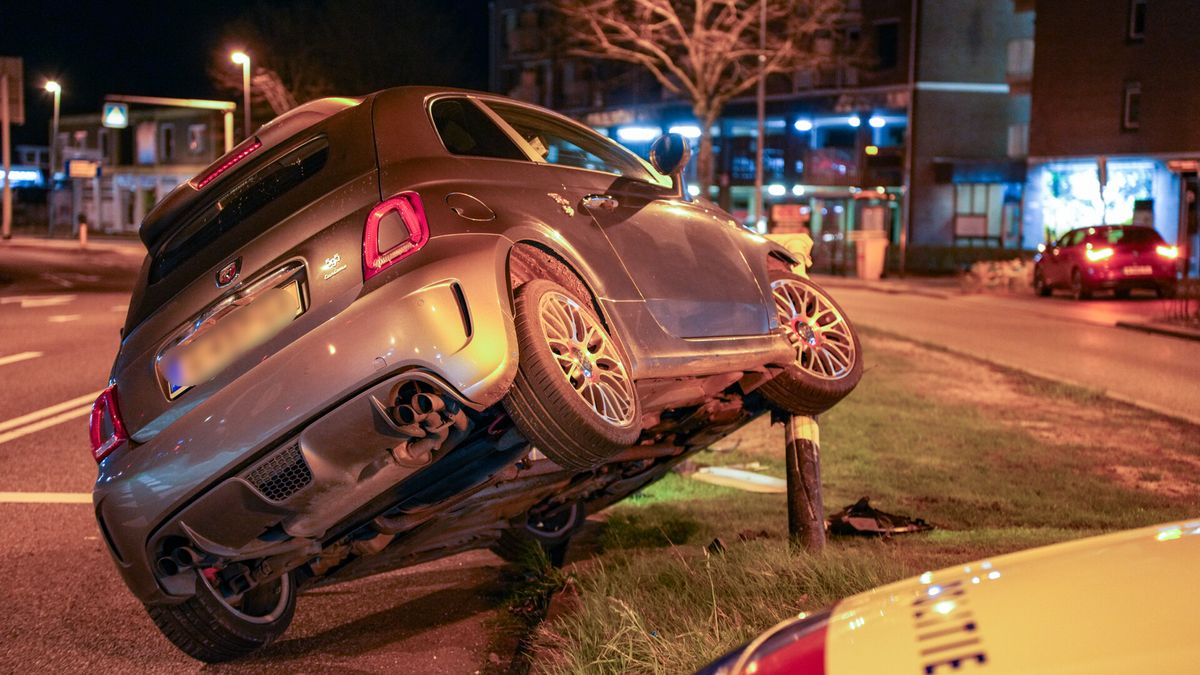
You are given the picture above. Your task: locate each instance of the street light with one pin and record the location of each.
(57, 90)
(243, 59)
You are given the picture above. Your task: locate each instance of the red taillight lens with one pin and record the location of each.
(395, 229)
(1098, 254)
(107, 431)
(227, 162)
(1169, 252)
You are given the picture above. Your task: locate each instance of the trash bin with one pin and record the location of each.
(871, 251)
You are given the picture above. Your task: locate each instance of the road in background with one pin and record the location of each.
(1056, 338)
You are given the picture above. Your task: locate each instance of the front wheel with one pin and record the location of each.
(828, 355)
(573, 396)
(1079, 289)
(1040, 286)
(212, 627)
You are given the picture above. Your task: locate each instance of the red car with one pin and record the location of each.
(1119, 258)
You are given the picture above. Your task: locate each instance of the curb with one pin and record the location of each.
(132, 248)
(1158, 329)
(827, 282)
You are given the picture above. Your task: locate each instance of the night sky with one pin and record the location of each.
(164, 48)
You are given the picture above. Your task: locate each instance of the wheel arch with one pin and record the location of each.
(529, 259)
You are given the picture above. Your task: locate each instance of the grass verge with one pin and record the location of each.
(999, 461)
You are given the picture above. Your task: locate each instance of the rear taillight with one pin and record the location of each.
(227, 162)
(1170, 252)
(107, 431)
(1098, 254)
(395, 229)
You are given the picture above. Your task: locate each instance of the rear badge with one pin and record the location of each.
(333, 265)
(229, 273)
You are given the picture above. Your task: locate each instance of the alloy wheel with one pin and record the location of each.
(263, 604)
(588, 357)
(816, 328)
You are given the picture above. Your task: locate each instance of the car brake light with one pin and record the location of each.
(1171, 252)
(107, 430)
(235, 156)
(1098, 254)
(395, 229)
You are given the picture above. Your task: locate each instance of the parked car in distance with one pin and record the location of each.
(1119, 258)
(388, 329)
(1118, 603)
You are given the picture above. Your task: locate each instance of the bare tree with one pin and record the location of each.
(705, 51)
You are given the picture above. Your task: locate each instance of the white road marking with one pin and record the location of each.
(14, 358)
(57, 279)
(81, 411)
(120, 308)
(45, 498)
(64, 318)
(46, 417)
(31, 301)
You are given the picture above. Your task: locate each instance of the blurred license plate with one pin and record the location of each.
(1135, 270)
(223, 339)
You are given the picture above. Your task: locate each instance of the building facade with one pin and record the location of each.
(922, 135)
(137, 166)
(1113, 137)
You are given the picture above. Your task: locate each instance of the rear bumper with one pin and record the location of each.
(1113, 277)
(448, 318)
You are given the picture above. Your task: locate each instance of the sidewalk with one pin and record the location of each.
(1163, 328)
(125, 246)
(933, 287)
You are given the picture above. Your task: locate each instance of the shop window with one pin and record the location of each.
(167, 132)
(1137, 19)
(1131, 118)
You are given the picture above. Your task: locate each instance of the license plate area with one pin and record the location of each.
(230, 328)
(1137, 270)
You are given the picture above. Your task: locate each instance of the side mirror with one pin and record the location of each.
(670, 154)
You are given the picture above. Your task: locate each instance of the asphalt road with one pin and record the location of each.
(1057, 338)
(65, 609)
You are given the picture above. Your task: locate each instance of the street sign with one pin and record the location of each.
(83, 168)
(13, 67)
(115, 115)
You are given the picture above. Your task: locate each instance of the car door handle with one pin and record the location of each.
(601, 202)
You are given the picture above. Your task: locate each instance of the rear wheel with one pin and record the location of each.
(212, 628)
(1079, 290)
(1166, 290)
(1039, 283)
(828, 363)
(1121, 293)
(573, 397)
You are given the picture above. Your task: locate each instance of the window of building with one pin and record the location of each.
(1132, 117)
(102, 144)
(167, 131)
(1137, 19)
(195, 141)
(887, 44)
(467, 130)
(1018, 140)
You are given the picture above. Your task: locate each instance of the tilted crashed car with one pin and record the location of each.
(391, 328)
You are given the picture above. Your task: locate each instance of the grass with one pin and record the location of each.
(998, 461)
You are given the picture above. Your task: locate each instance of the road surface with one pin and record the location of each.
(1056, 338)
(64, 607)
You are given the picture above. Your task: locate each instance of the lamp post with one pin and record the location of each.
(243, 59)
(56, 89)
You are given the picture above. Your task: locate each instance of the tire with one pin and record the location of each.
(207, 628)
(828, 362)
(1078, 290)
(1040, 286)
(572, 397)
(552, 536)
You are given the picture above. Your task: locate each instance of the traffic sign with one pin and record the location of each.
(13, 67)
(115, 116)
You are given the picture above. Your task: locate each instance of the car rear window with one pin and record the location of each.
(238, 203)
(467, 130)
(1124, 235)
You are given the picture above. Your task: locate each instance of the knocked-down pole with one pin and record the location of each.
(806, 510)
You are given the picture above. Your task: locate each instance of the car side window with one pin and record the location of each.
(467, 130)
(1077, 237)
(565, 144)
